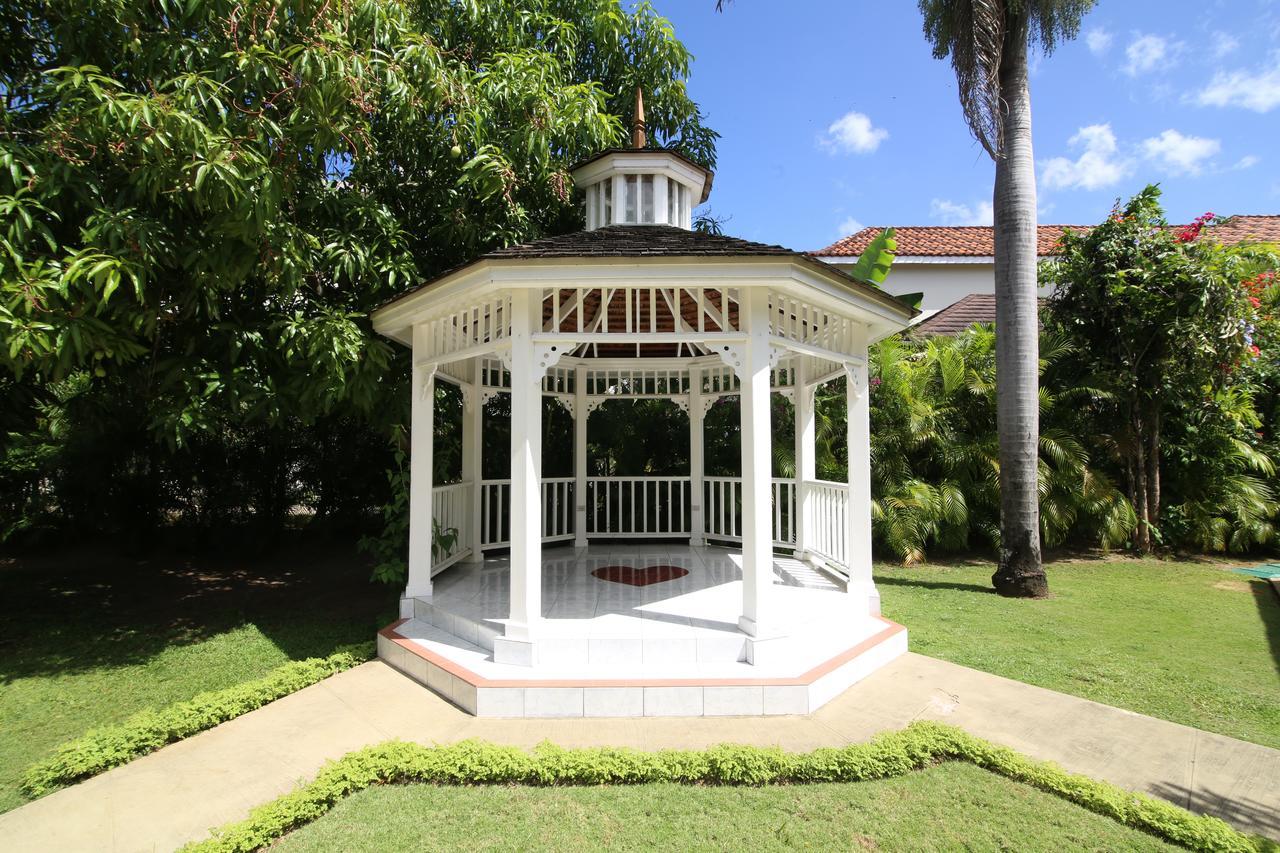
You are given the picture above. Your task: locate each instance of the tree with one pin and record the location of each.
(200, 203)
(1164, 324)
(987, 42)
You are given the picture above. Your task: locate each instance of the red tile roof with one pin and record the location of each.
(1238, 229)
(979, 241)
(960, 315)
(941, 240)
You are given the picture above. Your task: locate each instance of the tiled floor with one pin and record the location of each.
(575, 602)
(687, 625)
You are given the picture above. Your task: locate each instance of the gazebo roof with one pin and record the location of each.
(655, 242)
(631, 241)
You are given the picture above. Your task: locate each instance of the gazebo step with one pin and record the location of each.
(475, 630)
(464, 674)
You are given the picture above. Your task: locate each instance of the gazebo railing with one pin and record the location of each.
(638, 506)
(722, 510)
(659, 507)
(451, 508)
(557, 511)
(829, 503)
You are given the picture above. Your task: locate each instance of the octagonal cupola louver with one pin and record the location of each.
(639, 185)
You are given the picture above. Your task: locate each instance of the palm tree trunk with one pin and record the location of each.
(1017, 331)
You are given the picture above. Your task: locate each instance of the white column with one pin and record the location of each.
(472, 443)
(526, 471)
(757, 459)
(862, 590)
(593, 217)
(697, 465)
(421, 451)
(580, 418)
(806, 464)
(660, 203)
(619, 200)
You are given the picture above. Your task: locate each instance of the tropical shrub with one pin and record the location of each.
(935, 461)
(1163, 325)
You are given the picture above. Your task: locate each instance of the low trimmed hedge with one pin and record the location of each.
(892, 754)
(146, 731)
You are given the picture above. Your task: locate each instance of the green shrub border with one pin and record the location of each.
(897, 753)
(146, 731)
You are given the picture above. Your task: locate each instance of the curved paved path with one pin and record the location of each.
(178, 794)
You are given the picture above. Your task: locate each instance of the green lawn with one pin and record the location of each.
(85, 643)
(947, 807)
(1187, 642)
(86, 640)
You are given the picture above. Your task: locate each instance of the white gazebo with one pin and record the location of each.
(640, 595)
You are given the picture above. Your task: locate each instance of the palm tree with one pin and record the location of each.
(987, 41)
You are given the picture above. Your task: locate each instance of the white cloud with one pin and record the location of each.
(953, 213)
(1149, 53)
(1099, 40)
(1248, 161)
(1222, 43)
(1181, 155)
(1098, 166)
(853, 132)
(848, 226)
(1254, 90)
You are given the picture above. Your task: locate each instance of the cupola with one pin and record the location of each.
(639, 185)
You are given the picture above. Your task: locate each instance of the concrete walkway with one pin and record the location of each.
(179, 793)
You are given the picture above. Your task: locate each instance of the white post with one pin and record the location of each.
(421, 450)
(526, 489)
(619, 200)
(580, 418)
(697, 467)
(757, 459)
(472, 443)
(660, 203)
(861, 586)
(806, 463)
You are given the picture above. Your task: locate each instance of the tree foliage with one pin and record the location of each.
(1163, 323)
(201, 202)
(972, 34)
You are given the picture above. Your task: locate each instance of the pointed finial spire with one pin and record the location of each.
(637, 127)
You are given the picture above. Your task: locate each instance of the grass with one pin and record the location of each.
(1183, 641)
(946, 807)
(87, 640)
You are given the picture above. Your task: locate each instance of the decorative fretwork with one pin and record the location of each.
(795, 320)
(638, 382)
(477, 325)
(640, 321)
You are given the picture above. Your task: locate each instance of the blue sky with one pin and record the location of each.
(834, 114)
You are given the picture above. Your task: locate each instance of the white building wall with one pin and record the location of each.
(941, 280)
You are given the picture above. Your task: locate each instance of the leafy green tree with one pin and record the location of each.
(1163, 324)
(200, 203)
(987, 43)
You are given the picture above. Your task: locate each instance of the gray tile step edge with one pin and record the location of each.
(476, 631)
(642, 701)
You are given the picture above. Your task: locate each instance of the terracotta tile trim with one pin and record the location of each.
(891, 629)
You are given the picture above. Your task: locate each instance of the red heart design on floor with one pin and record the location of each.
(639, 576)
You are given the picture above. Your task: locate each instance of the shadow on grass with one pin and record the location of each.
(73, 609)
(1268, 601)
(896, 580)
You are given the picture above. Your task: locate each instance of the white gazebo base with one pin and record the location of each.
(672, 648)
